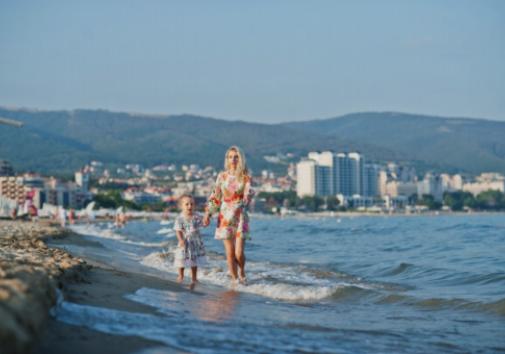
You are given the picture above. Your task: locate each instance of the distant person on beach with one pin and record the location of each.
(14, 212)
(62, 216)
(191, 250)
(230, 198)
(120, 218)
(71, 216)
(33, 212)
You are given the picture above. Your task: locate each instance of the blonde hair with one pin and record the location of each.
(182, 197)
(242, 166)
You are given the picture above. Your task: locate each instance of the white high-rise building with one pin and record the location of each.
(324, 181)
(431, 184)
(356, 166)
(383, 181)
(82, 180)
(371, 180)
(306, 178)
(327, 174)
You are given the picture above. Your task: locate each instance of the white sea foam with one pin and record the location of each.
(268, 280)
(166, 231)
(276, 281)
(109, 233)
(94, 230)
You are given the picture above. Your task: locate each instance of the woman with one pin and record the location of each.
(230, 198)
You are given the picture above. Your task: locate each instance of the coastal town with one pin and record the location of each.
(252, 177)
(320, 182)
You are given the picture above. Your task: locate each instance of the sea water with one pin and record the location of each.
(367, 284)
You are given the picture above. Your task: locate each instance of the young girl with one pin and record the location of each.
(190, 251)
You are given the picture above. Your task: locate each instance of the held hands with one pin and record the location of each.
(206, 219)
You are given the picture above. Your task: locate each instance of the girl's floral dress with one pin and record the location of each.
(193, 252)
(230, 198)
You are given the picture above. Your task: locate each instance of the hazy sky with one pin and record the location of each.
(263, 61)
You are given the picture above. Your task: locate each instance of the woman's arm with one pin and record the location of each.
(214, 202)
(248, 191)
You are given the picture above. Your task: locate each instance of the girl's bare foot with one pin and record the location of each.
(180, 279)
(192, 285)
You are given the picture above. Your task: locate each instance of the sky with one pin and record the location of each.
(261, 61)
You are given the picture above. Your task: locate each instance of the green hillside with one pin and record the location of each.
(61, 141)
(55, 141)
(456, 144)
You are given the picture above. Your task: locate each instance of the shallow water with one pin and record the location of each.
(336, 285)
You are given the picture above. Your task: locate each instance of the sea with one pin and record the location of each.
(342, 284)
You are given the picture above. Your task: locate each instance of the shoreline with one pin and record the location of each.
(339, 214)
(103, 287)
(31, 275)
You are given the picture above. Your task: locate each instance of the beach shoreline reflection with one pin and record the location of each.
(217, 308)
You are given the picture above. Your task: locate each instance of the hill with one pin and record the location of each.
(61, 141)
(454, 144)
(55, 141)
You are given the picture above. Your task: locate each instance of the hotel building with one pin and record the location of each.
(328, 174)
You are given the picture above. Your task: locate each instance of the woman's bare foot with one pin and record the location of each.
(192, 285)
(242, 280)
(180, 279)
(233, 282)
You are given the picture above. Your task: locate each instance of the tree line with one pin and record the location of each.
(490, 200)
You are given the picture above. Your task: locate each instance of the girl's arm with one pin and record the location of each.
(180, 237)
(178, 228)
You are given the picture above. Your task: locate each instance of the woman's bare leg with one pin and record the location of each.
(229, 247)
(240, 256)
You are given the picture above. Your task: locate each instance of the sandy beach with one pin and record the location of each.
(31, 276)
(103, 287)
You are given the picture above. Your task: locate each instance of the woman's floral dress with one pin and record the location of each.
(231, 197)
(193, 252)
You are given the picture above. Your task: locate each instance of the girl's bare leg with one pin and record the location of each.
(240, 256)
(194, 271)
(229, 247)
(180, 278)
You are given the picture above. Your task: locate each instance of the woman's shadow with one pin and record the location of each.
(217, 307)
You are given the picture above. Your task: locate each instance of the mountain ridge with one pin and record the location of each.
(80, 135)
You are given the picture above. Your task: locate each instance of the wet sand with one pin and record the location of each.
(102, 287)
(31, 276)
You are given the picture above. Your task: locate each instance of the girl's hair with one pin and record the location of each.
(242, 166)
(182, 197)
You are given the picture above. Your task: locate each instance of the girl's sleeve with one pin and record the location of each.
(248, 191)
(214, 202)
(178, 224)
